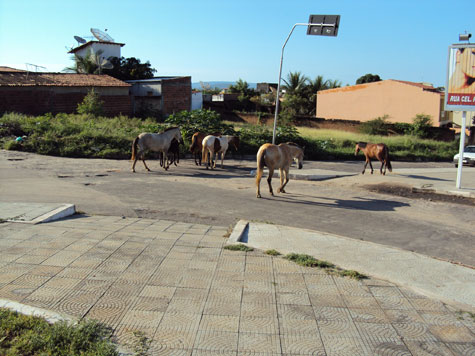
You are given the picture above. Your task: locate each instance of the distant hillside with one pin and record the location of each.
(220, 85)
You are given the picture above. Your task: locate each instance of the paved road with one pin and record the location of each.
(191, 194)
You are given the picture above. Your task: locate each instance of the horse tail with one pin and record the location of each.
(134, 148)
(204, 155)
(388, 162)
(261, 159)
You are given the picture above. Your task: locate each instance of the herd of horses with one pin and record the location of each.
(206, 148)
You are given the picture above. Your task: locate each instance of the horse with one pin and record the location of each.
(158, 142)
(215, 145)
(277, 157)
(379, 151)
(173, 154)
(197, 145)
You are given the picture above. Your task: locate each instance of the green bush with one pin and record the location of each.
(27, 335)
(91, 104)
(378, 126)
(207, 121)
(421, 125)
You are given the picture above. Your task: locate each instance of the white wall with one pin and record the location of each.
(196, 101)
(108, 49)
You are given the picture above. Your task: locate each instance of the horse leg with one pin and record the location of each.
(215, 155)
(365, 165)
(258, 182)
(269, 180)
(285, 173)
(166, 164)
(371, 166)
(143, 160)
(382, 165)
(281, 177)
(222, 158)
(133, 165)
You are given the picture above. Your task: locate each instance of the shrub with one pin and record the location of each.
(28, 335)
(378, 126)
(91, 104)
(208, 121)
(421, 125)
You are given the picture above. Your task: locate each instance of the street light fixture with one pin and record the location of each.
(318, 25)
(465, 37)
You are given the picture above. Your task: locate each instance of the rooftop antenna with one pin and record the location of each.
(34, 65)
(101, 35)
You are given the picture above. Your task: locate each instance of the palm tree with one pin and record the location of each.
(91, 63)
(334, 84)
(295, 83)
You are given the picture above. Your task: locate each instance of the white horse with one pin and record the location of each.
(158, 142)
(215, 145)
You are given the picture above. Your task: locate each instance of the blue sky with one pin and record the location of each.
(224, 40)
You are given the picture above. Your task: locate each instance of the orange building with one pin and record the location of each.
(401, 101)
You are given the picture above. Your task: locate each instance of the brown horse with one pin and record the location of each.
(197, 145)
(379, 151)
(277, 157)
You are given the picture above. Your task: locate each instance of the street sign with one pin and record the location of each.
(460, 84)
(323, 25)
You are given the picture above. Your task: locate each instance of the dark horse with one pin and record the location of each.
(379, 151)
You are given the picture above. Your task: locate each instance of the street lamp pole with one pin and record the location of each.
(316, 26)
(277, 101)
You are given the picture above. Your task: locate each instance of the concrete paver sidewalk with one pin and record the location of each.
(175, 282)
(442, 280)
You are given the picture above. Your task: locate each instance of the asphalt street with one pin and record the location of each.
(221, 197)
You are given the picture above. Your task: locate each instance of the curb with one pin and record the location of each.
(60, 212)
(238, 231)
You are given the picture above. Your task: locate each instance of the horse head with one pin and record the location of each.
(359, 146)
(178, 136)
(297, 153)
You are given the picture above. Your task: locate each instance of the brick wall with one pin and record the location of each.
(176, 95)
(37, 101)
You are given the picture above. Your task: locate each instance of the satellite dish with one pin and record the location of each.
(101, 35)
(80, 39)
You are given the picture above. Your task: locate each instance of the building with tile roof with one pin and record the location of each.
(38, 93)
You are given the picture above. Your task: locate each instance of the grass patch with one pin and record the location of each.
(29, 335)
(238, 247)
(348, 273)
(272, 252)
(310, 261)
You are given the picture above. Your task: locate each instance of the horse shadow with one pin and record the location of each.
(359, 203)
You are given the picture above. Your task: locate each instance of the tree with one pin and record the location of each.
(295, 84)
(91, 104)
(243, 89)
(85, 65)
(129, 69)
(368, 78)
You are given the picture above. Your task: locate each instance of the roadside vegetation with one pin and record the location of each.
(90, 136)
(30, 336)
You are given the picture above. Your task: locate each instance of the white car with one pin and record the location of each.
(468, 156)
